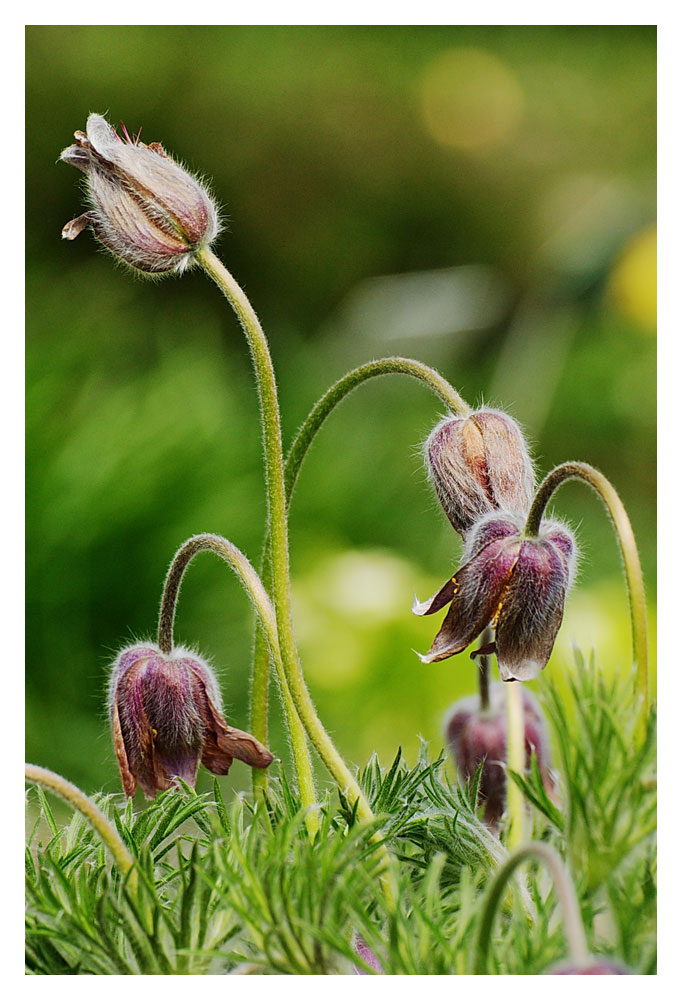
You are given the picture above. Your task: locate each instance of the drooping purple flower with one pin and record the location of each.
(515, 584)
(595, 967)
(145, 208)
(477, 736)
(480, 464)
(166, 717)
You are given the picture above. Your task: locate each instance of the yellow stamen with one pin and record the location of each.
(496, 616)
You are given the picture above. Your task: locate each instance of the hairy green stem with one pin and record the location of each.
(95, 817)
(274, 484)
(516, 761)
(484, 671)
(573, 926)
(277, 515)
(630, 555)
(268, 623)
(297, 453)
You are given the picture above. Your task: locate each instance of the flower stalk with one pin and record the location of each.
(568, 901)
(268, 623)
(516, 761)
(95, 817)
(292, 466)
(277, 526)
(628, 547)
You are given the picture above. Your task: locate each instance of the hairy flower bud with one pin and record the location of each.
(166, 716)
(146, 208)
(480, 464)
(475, 735)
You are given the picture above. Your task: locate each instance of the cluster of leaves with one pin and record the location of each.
(244, 889)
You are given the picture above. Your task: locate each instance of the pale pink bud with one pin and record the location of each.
(480, 464)
(146, 209)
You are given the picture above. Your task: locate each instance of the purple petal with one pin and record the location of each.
(437, 602)
(531, 612)
(479, 586)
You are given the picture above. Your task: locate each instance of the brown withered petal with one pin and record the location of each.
(223, 743)
(75, 227)
(478, 588)
(531, 612)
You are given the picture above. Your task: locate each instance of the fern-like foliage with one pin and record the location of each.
(242, 889)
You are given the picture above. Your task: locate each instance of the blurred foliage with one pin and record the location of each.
(480, 198)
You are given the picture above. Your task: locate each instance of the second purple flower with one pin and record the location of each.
(513, 583)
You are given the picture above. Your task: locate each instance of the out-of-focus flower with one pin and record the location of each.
(476, 735)
(480, 464)
(596, 967)
(166, 717)
(515, 584)
(364, 952)
(146, 208)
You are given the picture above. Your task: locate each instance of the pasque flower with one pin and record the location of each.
(479, 464)
(146, 209)
(477, 735)
(512, 582)
(166, 717)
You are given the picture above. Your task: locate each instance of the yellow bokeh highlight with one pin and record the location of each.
(633, 282)
(470, 99)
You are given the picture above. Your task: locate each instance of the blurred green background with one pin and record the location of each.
(479, 198)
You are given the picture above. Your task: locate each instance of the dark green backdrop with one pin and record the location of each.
(481, 198)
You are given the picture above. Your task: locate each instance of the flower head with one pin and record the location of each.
(146, 208)
(592, 967)
(478, 736)
(480, 464)
(166, 717)
(515, 584)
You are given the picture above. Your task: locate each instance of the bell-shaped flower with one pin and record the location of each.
(478, 736)
(145, 208)
(479, 464)
(166, 717)
(515, 584)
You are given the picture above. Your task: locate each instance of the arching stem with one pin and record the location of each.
(628, 548)
(297, 453)
(251, 582)
(568, 901)
(94, 815)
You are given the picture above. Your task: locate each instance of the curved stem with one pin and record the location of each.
(350, 381)
(628, 548)
(297, 453)
(95, 817)
(568, 901)
(274, 467)
(516, 761)
(261, 602)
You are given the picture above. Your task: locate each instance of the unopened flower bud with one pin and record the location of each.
(594, 967)
(146, 209)
(166, 717)
(478, 736)
(480, 464)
